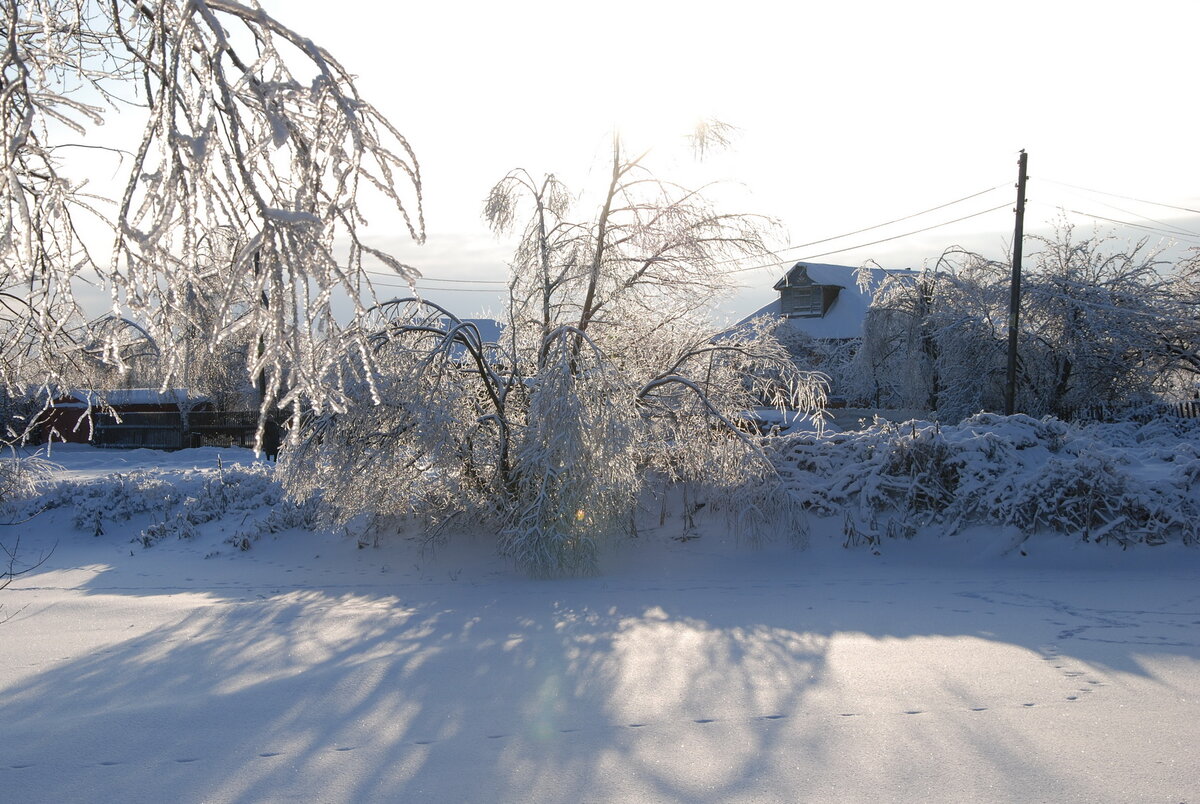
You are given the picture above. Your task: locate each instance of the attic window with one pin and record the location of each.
(803, 302)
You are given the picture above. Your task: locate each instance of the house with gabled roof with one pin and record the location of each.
(824, 310)
(822, 301)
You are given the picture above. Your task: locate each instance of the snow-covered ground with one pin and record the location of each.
(937, 669)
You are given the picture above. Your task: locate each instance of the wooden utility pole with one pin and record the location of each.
(1014, 303)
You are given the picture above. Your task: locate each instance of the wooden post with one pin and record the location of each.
(1014, 304)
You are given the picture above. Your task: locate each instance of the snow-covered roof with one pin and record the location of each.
(129, 396)
(818, 274)
(845, 317)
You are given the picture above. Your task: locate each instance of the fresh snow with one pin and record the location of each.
(968, 668)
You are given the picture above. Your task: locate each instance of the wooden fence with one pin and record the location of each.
(1187, 409)
(174, 430)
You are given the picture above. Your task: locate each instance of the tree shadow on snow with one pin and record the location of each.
(785, 685)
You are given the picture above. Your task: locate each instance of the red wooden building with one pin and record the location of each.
(130, 417)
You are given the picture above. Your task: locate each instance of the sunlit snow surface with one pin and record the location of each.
(305, 669)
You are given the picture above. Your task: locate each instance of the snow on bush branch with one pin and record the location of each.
(1036, 475)
(177, 503)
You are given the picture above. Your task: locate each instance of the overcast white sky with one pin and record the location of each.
(850, 114)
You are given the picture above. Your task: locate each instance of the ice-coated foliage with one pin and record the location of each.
(23, 475)
(1034, 474)
(1101, 326)
(176, 505)
(256, 153)
(607, 385)
(576, 470)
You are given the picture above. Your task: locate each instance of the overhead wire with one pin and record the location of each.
(1172, 229)
(794, 247)
(886, 223)
(445, 279)
(428, 288)
(1163, 224)
(1163, 228)
(877, 242)
(1157, 230)
(1118, 195)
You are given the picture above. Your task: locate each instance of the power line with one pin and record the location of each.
(459, 290)
(889, 223)
(439, 290)
(1126, 197)
(791, 247)
(907, 234)
(877, 242)
(786, 249)
(1155, 229)
(1163, 224)
(442, 279)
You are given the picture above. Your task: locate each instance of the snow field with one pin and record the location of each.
(942, 669)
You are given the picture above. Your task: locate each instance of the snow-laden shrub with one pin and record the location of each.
(114, 498)
(576, 473)
(22, 476)
(284, 515)
(179, 503)
(1032, 474)
(1084, 494)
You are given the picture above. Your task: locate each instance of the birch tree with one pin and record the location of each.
(607, 387)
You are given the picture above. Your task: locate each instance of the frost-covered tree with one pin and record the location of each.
(931, 341)
(210, 326)
(607, 383)
(249, 128)
(1094, 321)
(1102, 325)
(1182, 344)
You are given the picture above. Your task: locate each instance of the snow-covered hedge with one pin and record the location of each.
(179, 502)
(1124, 482)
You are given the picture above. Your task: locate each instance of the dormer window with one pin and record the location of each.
(803, 302)
(801, 297)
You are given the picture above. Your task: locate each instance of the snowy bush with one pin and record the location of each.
(114, 498)
(1036, 475)
(23, 475)
(179, 503)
